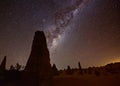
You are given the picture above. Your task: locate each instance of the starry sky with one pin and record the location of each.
(76, 30)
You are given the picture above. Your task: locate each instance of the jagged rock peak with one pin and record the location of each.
(39, 60)
(3, 64)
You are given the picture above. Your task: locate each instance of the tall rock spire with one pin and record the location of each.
(3, 65)
(39, 60)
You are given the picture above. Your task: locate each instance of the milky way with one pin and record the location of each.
(61, 19)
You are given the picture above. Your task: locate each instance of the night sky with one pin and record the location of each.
(77, 30)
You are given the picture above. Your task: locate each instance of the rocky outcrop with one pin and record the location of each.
(38, 64)
(3, 65)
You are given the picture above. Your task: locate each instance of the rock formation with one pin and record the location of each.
(3, 65)
(39, 61)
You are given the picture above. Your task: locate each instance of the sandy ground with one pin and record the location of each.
(87, 80)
